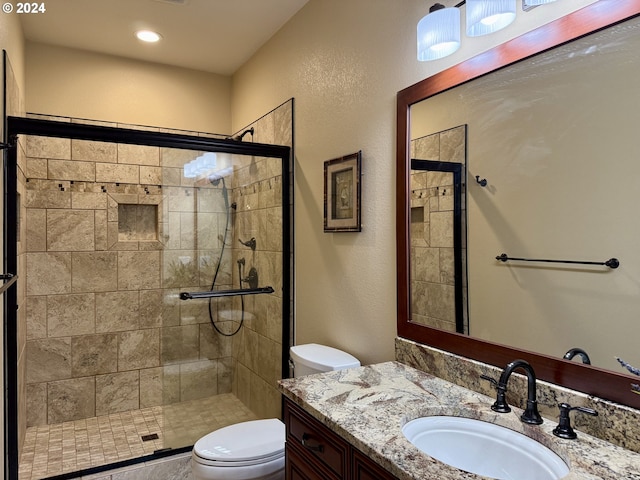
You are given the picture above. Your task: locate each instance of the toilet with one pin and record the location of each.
(254, 450)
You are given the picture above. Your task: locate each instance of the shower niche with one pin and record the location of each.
(137, 222)
(114, 231)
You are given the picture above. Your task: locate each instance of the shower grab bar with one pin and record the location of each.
(225, 293)
(8, 279)
(611, 263)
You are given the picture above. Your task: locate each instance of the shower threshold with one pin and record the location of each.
(52, 450)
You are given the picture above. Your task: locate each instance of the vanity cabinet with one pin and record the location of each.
(314, 452)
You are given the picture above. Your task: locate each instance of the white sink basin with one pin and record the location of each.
(484, 448)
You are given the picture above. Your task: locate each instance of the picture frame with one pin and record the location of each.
(342, 193)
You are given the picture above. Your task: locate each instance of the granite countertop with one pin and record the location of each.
(367, 406)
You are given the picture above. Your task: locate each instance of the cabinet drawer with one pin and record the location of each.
(316, 440)
(298, 466)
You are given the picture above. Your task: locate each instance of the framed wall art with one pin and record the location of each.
(342, 193)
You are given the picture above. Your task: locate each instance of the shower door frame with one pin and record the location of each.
(49, 128)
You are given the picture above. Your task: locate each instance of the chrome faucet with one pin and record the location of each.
(530, 414)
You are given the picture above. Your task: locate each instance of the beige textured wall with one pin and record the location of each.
(344, 61)
(74, 83)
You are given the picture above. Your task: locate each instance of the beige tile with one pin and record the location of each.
(36, 168)
(36, 229)
(36, 404)
(441, 229)
(94, 272)
(176, 158)
(116, 311)
(138, 270)
(138, 154)
(36, 317)
(225, 375)
(151, 175)
(71, 399)
(71, 170)
(48, 147)
(47, 199)
(171, 176)
(89, 200)
(94, 355)
(70, 230)
(151, 308)
(170, 384)
(139, 349)
(48, 273)
(452, 145)
(48, 359)
(72, 314)
(179, 344)
(198, 379)
(151, 386)
(111, 173)
(94, 151)
(101, 238)
(117, 392)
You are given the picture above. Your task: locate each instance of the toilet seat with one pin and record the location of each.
(243, 444)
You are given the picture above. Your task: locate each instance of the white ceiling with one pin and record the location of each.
(215, 36)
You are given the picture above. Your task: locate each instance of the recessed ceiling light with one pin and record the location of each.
(148, 36)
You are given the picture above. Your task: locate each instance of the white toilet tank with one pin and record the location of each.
(313, 358)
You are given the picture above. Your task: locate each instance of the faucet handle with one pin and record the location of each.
(500, 405)
(564, 429)
(492, 381)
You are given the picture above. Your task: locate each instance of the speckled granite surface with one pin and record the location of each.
(615, 423)
(367, 406)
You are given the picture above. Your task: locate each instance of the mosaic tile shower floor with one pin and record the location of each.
(71, 446)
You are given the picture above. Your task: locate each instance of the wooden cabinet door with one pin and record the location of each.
(366, 469)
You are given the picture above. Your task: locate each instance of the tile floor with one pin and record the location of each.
(71, 446)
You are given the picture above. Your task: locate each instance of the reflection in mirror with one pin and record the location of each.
(547, 133)
(438, 251)
(554, 136)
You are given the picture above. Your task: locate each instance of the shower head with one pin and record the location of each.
(240, 136)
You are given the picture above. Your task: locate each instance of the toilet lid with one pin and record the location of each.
(242, 442)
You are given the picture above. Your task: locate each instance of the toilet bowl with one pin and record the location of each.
(254, 450)
(244, 451)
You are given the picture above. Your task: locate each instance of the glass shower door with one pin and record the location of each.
(220, 356)
(118, 366)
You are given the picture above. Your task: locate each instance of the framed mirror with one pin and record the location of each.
(534, 60)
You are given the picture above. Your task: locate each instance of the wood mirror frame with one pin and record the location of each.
(585, 378)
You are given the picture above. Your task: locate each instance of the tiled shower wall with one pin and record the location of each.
(432, 255)
(257, 349)
(111, 239)
(105, 331)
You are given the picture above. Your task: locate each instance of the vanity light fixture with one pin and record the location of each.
(488, 16)
(148, 36)
(439, 30)
(438, 33)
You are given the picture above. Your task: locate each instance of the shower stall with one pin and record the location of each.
(153, 301)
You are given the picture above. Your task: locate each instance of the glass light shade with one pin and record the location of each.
(488, 16)
(202, 165)
(439, 34)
